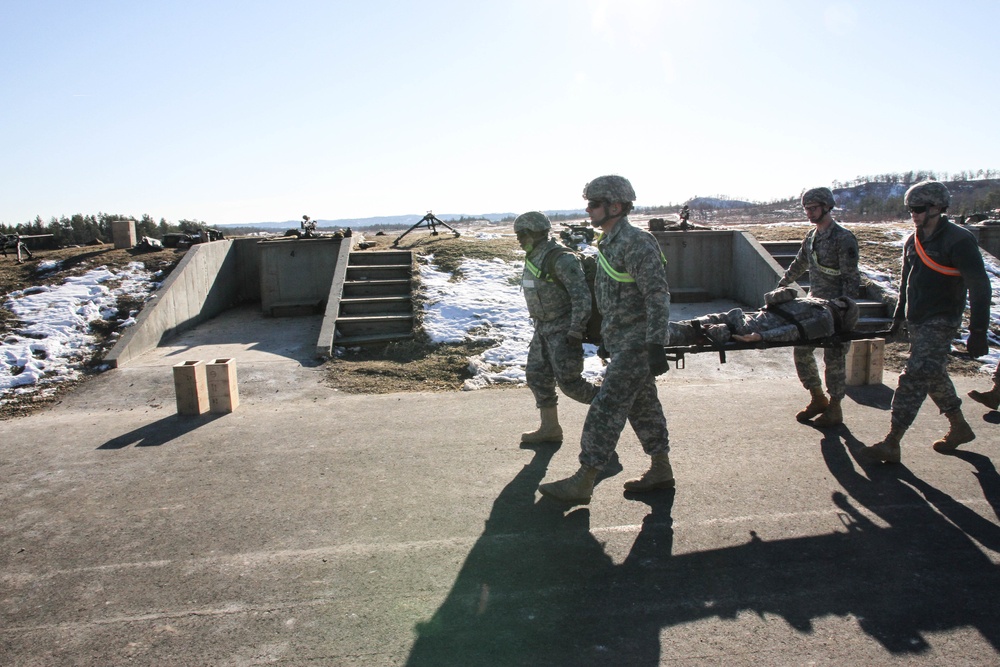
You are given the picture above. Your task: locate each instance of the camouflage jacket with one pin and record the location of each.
(636, 306)
(925, 293)
(813, 315)
(555, 287)
(831, 257)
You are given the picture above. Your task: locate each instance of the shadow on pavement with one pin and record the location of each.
(161, 431)
(538, 588)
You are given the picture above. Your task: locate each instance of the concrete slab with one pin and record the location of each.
(311, 527)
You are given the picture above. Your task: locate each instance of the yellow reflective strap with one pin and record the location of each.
(535, 271)
(619, 276)
(824, 269)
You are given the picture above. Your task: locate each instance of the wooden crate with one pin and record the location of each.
(191, 387)
(865, 362)
(223, 392)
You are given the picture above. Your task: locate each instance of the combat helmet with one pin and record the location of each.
(928, 193)
(609, 188)
(532, 221)
(822, 196)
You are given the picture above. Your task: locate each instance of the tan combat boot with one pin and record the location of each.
(832, 416)
(659, 476)
(959, 433)
(576, 489)
(816, 406)
(887, 451)
(990, 399)
(549, 431)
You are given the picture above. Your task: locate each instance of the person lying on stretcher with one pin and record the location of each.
(785, 318)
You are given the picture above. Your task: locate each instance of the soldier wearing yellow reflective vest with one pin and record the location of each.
(634, 299)
(558, 300)
(830, 253)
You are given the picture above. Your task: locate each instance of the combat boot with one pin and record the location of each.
(549, 431)
(959, 433)
(887, 451)
(832, 416)
(576, 489)
(659, 476)
(816, 406)
(990, 399)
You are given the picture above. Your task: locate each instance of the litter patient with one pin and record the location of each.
(785, 318)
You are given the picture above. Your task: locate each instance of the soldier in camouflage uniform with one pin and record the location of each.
(941, 265)
(558, 299)
(830, 253)
(634, 298)
(786, 318)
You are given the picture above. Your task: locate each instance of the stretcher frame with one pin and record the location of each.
(676, 353)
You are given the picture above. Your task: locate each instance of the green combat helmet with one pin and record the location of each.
(609, 188)
(818, 196)
(928, 193)
(532, 221)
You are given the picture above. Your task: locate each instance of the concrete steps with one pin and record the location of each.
(376, 305)
(874, 313)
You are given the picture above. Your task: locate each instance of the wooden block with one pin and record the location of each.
(191, 387)
(865, 362)
(223, 392)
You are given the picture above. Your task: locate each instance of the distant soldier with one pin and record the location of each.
(634, 298)
(830, 253)
(14, 242)
(558, 299)
(941, 265)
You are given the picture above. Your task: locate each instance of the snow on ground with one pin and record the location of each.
(55, 339)
(486, 304)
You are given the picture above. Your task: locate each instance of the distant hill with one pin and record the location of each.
(396, 221)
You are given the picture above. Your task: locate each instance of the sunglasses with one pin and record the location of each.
(918, 209)
(811, 207)
(595, 203)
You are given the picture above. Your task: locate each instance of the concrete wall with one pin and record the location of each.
(296, 272)
(206, 282)
(699, 259)
(726, 264)
(989, 238)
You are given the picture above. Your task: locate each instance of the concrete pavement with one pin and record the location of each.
(312, 527)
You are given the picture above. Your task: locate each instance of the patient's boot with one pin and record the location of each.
(576, 489)
(990, 399)
(959, 433)
(816, 406)
(887, 451)
(659, 476)
(549, 431)
(832, 416)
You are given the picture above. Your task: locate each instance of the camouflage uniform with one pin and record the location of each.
(635, 313)
(933, 304)
(557, 304)
(831, 257)
(816, 317)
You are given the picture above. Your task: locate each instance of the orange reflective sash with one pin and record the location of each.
(930, 263)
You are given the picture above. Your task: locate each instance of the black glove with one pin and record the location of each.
(658, 364)
(897, 323)
(575, 341)
(976, 344)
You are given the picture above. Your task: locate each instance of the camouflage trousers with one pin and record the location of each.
(926, 372)
(628, 393)
(552, 361)
(835, 368)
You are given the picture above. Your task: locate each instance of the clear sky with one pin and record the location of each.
(246, 111)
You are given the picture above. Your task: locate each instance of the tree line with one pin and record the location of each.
(80, 229)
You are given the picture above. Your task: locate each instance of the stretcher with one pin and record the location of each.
(676, 353)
